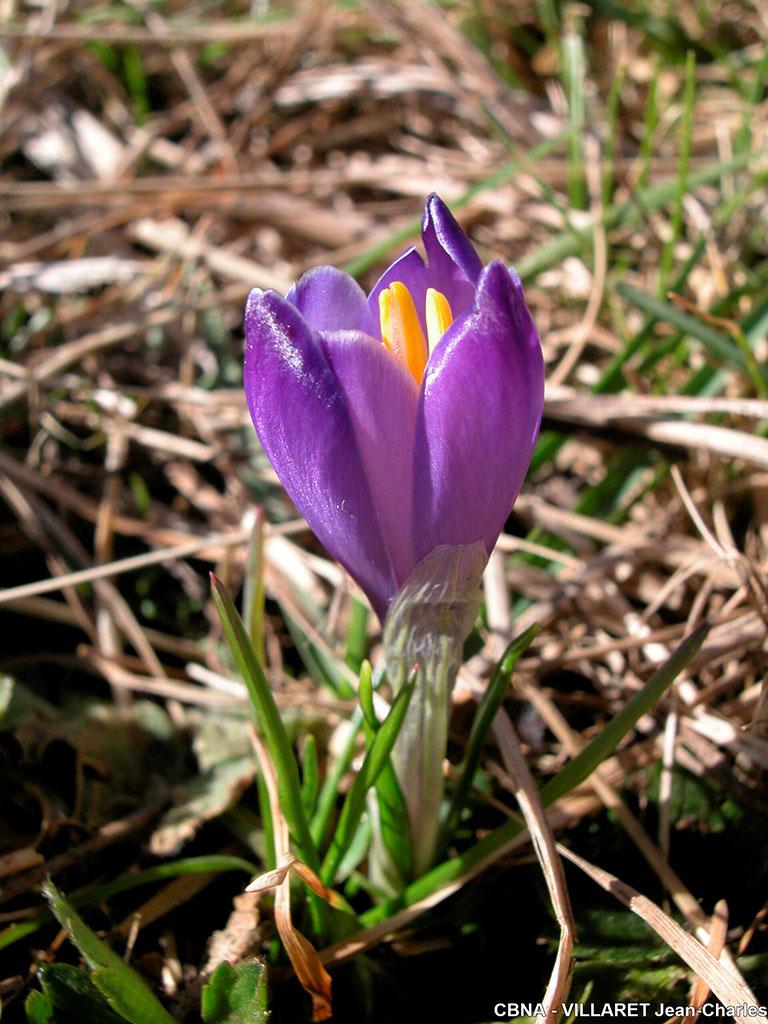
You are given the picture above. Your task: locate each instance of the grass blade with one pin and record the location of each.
(492, 699)
(123, 988)
(628, 214)
(676, 221)
(375, 760)
(97, 893)
(269, 722)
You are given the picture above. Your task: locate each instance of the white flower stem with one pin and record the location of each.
(425, 631)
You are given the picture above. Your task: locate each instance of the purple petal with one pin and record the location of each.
(478, 418)
(304, 422)
(381, 396)
(409, 269)
(329, 300)
(453, 266)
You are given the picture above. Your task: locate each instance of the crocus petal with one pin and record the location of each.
(478, 418)
(381, 397)
(409, 269)
(329, 300)
(304, 422)
(453, 266)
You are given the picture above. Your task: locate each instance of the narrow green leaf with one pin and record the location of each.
(95, 894)
(132, 1002)
(676, 220)
(329, 791)
(365, 695)
(269, 722)
(719, 345)
(626, 215)
(649, 128)
(310, 775)
(254, 592)
(123, 988)
(612, 121)
(39, 1009)
(574, 69)
(357, 636)
(374, 762)
(236, 995)
(491, 701)
(603, 745)
(394, 823)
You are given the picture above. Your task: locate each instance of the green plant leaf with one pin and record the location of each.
(69, 996)
(357, 639)
(491, 701)
(134, 1002)
(38, 1008)
(375, 760)
(95, 894)
(329, 790)
(236, 995)
(721, 346)
(394, 826)
(310, 781)
(126, 992)
(269, 722)
(603, 745)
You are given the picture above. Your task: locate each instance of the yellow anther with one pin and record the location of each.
(400, 329)
(439, 316)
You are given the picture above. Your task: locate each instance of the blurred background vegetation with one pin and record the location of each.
(160, 159)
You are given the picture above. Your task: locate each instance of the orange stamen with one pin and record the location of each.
(438, 314)
(400, 329)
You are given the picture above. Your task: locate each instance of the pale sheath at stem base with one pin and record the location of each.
(425, 629)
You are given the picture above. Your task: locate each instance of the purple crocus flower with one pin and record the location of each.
(403, 420)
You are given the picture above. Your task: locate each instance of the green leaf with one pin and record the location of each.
(69, 996)
(271, 725)
(720, 346)
(394, 825)
(622, 215)
(134, 1002)
(491, 701)
(254, 591)
(329, 791)
(357, 639)
(123, 988)
(310, 782)
(38, 1008)
(375, 760)
(236, 995)
(95, 894)
(574, 71)
(603, 745)
(365, 696)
